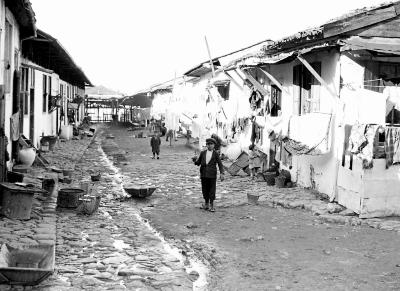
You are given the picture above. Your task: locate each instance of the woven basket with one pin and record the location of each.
(269, 177)
(69, 197)
(95, 177)
(233, 169)
(253, 198)
(280, 181)
(88, 204)
(243, 160)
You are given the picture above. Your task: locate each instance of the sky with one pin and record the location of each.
(129, 45)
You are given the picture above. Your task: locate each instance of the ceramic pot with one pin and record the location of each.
(27, 156)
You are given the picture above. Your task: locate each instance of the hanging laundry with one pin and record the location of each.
(255, 100)
(253, 133)
(14, 120)
(367, 152)
(392, 94)
(286, 156)
(392, 145)
(357, 139)
(396, 155)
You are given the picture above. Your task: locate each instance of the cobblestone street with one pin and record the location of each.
(264, 246)
(312, 245)
(111, 250)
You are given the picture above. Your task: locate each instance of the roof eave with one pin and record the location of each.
(25, 16)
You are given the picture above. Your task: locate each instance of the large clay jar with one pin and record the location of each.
(27, 156)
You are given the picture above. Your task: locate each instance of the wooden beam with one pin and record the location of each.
(239, 73)
(272, 78)
(359, 21)
(232, 79)
(256, 84)
(317, 76)
(209, 55)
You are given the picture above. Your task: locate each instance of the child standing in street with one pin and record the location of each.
(155, 143)
(208, 161)
(254, 161)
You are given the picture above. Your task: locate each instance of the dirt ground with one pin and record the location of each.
(254, 247)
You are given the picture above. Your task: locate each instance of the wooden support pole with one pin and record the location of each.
(232, 79)
(317, 76)
(256, 84)
(239, 73)
(273, 80)
(209, 55)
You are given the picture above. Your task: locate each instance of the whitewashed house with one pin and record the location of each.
(338, 118)
(323, 103)
(17, 23)
(52, 89)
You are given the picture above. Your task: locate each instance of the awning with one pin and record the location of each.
(74, 106)
(377, 44)
(221, 82)
(256, 60)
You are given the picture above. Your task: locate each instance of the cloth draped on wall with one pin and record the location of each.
(362, 106)
(361, 142)
(392, 145)
(14, 121)
(286, 156)
(297, 148)
(310, 133)
(392, 94)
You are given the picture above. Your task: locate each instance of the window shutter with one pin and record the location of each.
(296, 89)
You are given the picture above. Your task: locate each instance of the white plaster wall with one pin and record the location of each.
(322, 177)
(15, 47)
(369, 192)
(381, 195)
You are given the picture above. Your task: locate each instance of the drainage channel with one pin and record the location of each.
(194, 263)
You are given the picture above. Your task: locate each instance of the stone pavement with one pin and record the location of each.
(233, 191)
(113, 249)
(297, 198)
(41, 228)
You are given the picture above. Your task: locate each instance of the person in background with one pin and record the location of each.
(254, 161)
(169, 136)
(155, 143)
(208, 161)
(218, 143)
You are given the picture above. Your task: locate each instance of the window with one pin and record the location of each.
(45, 92)
(49, 93)
(24, 92)
(32, 78)
(223, 90)
(276, 100)
(378, 74)
(306, 89)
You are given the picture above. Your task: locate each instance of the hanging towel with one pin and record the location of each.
(392, 146)
(14, 120)
(396, 145)
(357, 140)
(367, 151)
